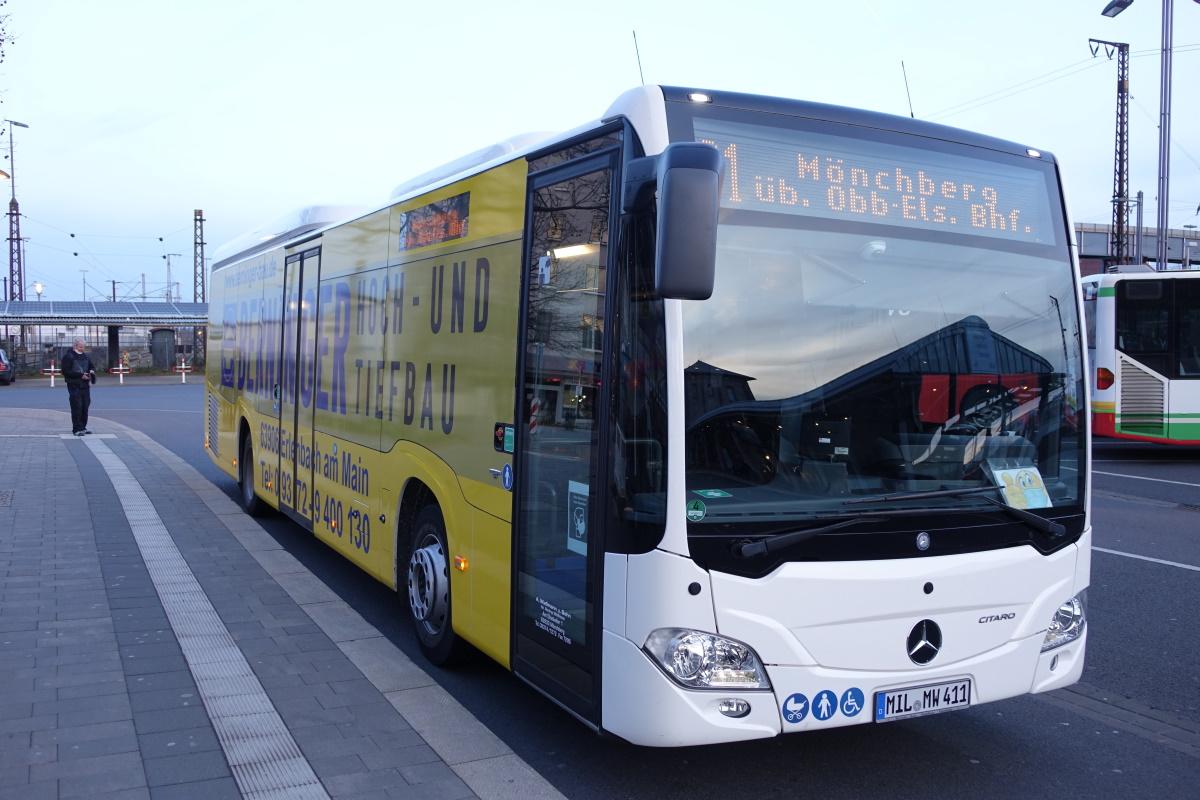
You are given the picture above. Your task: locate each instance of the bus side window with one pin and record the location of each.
(639, 419)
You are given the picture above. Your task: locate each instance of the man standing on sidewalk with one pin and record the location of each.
(79, 373)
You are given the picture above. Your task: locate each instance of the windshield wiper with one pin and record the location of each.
(775, 541)
(745, 549)
(883, 498)
(763, 546)
(1041, 523)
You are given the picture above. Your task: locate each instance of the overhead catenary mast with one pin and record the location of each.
(1120, 246)
(198, 333)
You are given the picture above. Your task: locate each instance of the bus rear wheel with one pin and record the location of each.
(254, 506)
(429, 590)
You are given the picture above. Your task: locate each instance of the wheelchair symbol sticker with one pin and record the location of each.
(852, 702)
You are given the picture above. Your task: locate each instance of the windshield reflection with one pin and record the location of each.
(832, 366)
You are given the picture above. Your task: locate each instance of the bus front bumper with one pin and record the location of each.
(648, 708)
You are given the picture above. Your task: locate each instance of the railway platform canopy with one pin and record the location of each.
(150, 313)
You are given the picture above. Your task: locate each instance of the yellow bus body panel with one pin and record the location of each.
(407, 367)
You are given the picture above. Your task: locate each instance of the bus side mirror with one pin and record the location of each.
(686, 178)
(689, 197)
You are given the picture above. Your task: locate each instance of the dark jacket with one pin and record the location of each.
(75, 368)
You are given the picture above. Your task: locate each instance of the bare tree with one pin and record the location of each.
(4, 38)
(568, 213)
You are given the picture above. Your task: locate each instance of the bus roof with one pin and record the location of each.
(642, 106)
(852, 116)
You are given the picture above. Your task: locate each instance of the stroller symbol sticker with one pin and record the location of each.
(795, 708)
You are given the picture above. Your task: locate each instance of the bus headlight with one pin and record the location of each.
(699, 660)
(1068, 623)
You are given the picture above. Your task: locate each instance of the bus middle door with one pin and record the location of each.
(297, 367)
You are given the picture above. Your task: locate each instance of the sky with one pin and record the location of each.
(141, 111)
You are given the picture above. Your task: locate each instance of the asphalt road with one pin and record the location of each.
(1142, 646)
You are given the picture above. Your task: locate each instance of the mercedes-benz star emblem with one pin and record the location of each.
(925, 641)
(922, 541)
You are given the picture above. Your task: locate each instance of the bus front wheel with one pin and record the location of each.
(429, 590)
(253, 505)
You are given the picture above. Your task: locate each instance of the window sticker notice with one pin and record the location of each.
(1022, 487)
(577, 517)
(695, 510)
(553, 620)
(711, 493)
(503, 438)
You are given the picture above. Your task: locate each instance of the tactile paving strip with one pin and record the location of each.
(264, 758)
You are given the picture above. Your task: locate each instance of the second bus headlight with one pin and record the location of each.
(699, 660)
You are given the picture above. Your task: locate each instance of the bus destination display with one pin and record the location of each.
(837, 177)
(435, 223)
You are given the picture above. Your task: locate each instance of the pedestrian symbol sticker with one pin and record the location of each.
(711, 493)
(795, 708)
(695, 510)
(506, 477)
(852, 701)
(825, 705)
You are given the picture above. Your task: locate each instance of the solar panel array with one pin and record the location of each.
(158, 308)
(115, 308)
(67, 307)
(80, 311)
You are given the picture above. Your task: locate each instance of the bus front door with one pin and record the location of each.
(557, 550)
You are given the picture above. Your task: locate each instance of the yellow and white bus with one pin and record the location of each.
(720, 417)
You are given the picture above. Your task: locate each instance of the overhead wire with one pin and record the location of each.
(946, 112)
(1024, 86)
(92, 259)
(1019, 88)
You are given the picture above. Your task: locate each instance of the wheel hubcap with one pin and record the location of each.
(427, 595)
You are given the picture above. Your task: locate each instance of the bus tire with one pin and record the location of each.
(253, 504)
(429, 590)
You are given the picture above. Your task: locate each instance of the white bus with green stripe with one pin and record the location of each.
(1144, 342)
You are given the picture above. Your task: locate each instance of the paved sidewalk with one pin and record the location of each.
(156, 642)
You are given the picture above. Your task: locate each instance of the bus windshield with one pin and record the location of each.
(893, 316)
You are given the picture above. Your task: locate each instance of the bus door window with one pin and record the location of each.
(1143, 318)
(296, 383)
(1187, 328)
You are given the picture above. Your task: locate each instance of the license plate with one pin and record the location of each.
(917, 701)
